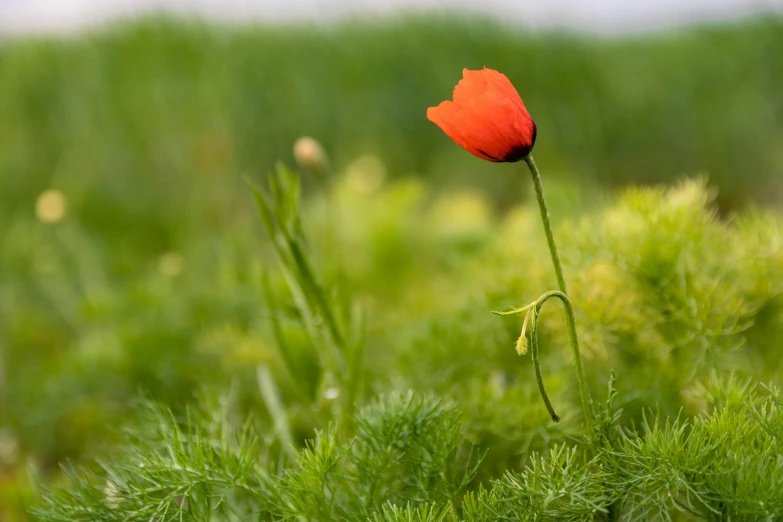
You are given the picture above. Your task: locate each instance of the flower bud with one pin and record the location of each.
(310, 155)
(487, 117)
(521, 345)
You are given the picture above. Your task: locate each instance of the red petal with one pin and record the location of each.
(472, 85)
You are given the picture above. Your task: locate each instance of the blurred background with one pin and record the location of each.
(614, 16)
(132, 253)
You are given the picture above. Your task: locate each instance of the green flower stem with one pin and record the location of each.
(583, 390)
(550, 237)
(537, 366)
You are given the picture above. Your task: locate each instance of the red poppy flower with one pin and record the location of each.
(487, 117)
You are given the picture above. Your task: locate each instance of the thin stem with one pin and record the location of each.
(550, 237)
(537, 366)
(584, 392)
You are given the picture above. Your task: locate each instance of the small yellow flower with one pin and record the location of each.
(51, 206)
(170, 264)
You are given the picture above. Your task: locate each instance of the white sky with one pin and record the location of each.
(597, 15)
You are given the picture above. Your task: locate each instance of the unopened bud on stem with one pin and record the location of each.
(310, 155)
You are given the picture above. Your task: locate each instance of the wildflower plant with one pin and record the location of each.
(487, 114)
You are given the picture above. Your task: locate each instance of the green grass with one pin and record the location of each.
(161, 280)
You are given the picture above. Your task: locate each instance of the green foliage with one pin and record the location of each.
(205, 468)
(169, 469)
(722, 466)
(405, 464)
(666, 293)
(556, 487)
(331, 321)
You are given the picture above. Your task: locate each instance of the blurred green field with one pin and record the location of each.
(152, 283)
(154, 103)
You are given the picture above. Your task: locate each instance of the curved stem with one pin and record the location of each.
(537, 366)
(562, 295)
(584, 392)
